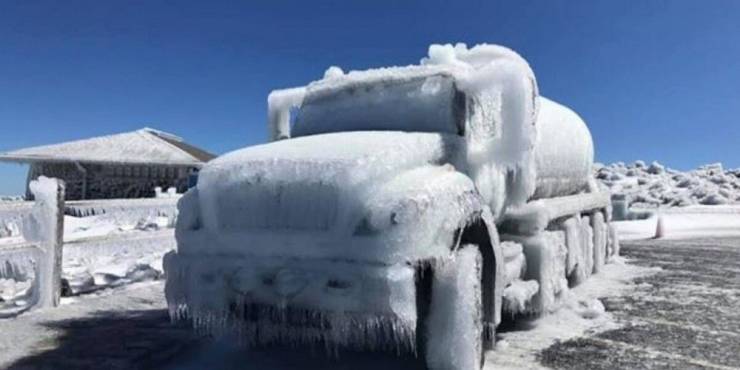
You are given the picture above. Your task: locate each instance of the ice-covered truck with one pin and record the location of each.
(403, 208)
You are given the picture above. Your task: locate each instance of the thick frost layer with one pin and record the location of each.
(429, 104)
(535, 216)
(18, 263)
(502, 133)
(587, 248)
(501, 94)
(280, 103)
(110, 261)
(377, 196)
(393, 190)
(41, 228)
(515, 262)
(125, 208)
(518, 296)
(144, 146)
(518, 293)
(600, 231)
(455, 318)
(11, 218)
(546, 263)
(41, 223)
(267, 300)
(564, 152)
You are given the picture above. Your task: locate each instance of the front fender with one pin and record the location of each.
(481, 231)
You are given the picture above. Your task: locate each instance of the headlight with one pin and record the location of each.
(405, 212)
(188, 211)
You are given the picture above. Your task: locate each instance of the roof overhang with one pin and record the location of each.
(36, 159)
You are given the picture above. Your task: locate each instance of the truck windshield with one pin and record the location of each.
(429, 104)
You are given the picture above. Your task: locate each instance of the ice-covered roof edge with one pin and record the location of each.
(173, 142)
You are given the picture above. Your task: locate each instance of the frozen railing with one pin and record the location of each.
(31, 248)
(11, 218)
(141, 208)
(37, 251)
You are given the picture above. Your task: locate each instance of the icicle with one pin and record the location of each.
(18, 263)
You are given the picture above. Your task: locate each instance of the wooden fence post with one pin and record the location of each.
(46, 227)
(55, 247)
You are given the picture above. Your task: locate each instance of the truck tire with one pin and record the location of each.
(451, 330)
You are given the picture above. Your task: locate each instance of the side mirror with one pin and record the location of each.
(280, 103)
(279, 123)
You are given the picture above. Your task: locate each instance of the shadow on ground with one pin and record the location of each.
(222, 355)
(109, 340)
(148, 340)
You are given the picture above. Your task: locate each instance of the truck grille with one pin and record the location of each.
(282, 206)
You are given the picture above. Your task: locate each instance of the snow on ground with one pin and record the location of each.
(100, 263)
(77, 228)
(580, 312)
(685, 222)
(654, 185)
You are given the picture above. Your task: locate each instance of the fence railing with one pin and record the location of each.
(11, 217)
(145, 207)
(39, 248)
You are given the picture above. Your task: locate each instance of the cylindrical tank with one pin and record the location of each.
(564, 151)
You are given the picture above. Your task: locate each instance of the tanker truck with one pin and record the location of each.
(406, 209)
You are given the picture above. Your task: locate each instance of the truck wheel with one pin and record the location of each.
(452, 326)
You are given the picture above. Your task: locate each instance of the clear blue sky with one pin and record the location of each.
(653, 79)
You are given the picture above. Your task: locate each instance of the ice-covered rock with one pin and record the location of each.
(655, 186)
(588, 309)
(656, 168)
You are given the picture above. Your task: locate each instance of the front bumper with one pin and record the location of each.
(283, 299)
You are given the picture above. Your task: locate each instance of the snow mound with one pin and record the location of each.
(656, 186)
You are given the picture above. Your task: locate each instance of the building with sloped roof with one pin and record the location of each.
(127, 165)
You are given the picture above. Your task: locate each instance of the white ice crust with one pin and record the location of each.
(500, 134)
(454, 324)
(564, 152)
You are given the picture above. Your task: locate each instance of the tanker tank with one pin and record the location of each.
(564, 151)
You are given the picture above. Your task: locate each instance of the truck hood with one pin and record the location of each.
(312, 183)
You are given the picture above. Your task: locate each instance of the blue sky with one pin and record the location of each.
(653, 79)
